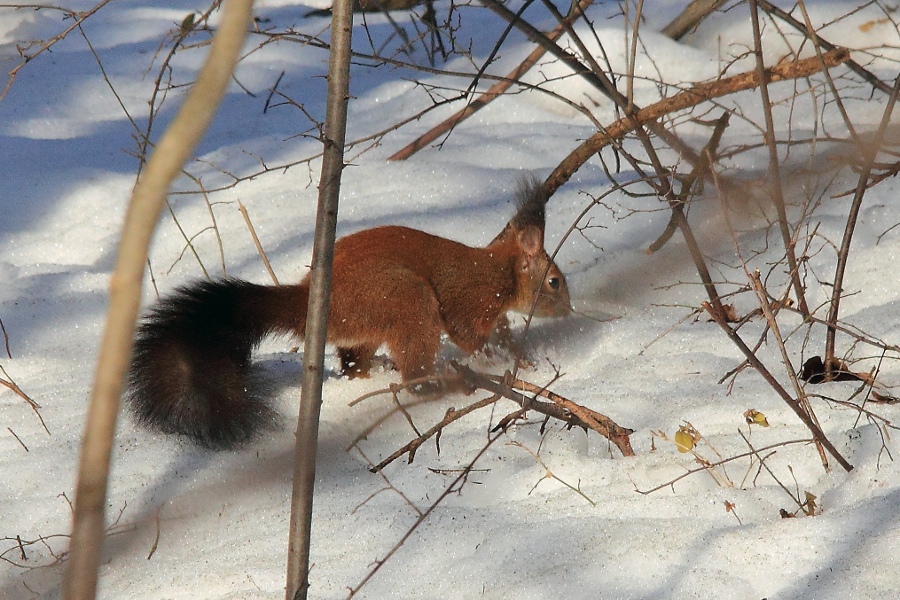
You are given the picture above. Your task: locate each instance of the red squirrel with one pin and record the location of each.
(392, 286)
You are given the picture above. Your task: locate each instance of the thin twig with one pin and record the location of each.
(155, 545)
(762, 463)
(8, 382)
(549, 474)
(844, 253)
(763, 299)
(387, 482)
(212, 218)
(412, 446)
(708, 466)
(450, 489)
(18, 439)
(259, 248)
(697, 175)
(495, 91)
(5, 339)
(851, 64)
(774, 174)
(78, 17)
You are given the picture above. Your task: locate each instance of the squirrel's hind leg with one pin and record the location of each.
(356, 362)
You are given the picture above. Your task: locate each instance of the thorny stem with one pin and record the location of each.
(774, 169)
(763, 299)
(495, 91)
(844, 252)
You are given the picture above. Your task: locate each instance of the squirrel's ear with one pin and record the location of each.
(531, 240)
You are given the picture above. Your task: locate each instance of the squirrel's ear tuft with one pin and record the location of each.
(531, 198)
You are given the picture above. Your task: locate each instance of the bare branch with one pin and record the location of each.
(843, 255)
(698, 94)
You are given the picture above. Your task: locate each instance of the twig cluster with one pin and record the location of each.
(559, 408)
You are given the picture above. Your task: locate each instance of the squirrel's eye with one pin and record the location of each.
(553, 282)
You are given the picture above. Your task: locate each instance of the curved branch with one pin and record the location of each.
(691, 97)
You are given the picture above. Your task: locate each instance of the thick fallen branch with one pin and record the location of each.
(559, 408)
(563, 409)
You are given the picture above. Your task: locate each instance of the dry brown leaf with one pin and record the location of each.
(883, 398)
(814, 372)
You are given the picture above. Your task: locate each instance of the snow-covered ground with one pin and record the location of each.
(195, 524)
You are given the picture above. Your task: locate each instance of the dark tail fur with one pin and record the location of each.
(191, 371)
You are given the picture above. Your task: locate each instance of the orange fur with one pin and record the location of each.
(391, 286)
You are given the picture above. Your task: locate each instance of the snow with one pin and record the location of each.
(195, 524)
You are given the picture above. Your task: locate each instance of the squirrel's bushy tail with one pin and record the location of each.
(191, 370)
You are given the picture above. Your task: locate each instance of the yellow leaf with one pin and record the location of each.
(684, 441)
(754, 417)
